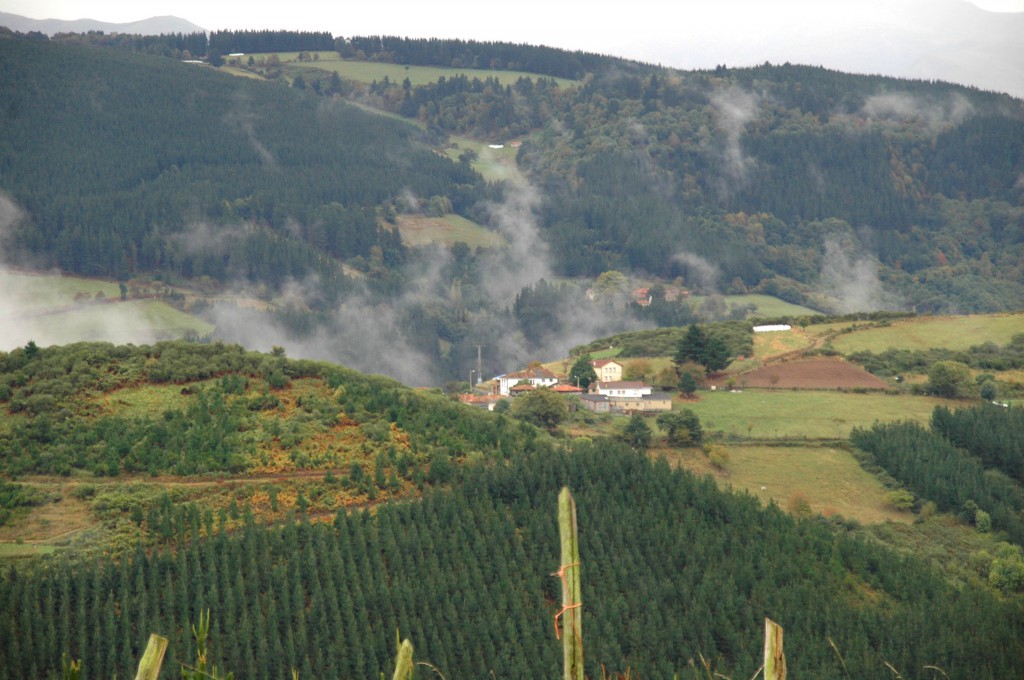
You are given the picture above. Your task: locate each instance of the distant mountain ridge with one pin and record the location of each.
(150, 26)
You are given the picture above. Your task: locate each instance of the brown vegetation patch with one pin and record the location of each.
(809, 374)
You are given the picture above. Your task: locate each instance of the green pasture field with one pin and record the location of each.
(369, 71)
(768, 307)
(830, 478)
(134, 321)
(241, 72)
(780, 342)
(418, 230)
(606, 353)
(49, 291)
(950, 332)
(803, 414)
(494, 164)
(9, 550)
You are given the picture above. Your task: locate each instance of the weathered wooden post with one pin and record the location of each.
(403, 663)
(569, 571)
(774, 659)
(153, 658)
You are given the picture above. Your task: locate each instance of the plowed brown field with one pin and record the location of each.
(827, 373)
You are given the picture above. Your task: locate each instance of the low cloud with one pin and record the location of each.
(362, 336)
(735, 108)
(527, 257)
(243, 118)
(851, 278)
(371, 337)
(934, 112)
(698, 272)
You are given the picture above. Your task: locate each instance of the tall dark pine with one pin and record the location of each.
(698, 347)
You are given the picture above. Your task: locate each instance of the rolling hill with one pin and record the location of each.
(331, 508)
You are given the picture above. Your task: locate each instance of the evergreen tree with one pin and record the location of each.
(582, 372)
(637, 433)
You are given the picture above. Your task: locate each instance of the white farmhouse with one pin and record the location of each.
(632, 389)
(538, 377)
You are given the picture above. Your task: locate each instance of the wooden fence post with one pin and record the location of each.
(403, 662)
(774, 659)
(569, 571)
(153, 658)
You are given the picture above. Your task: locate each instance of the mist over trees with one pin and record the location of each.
(836, 191)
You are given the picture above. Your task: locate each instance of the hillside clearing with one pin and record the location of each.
(370, 71)
(420, 230)
(767, 306)
(495, 164)
(948, 332)
(830, 478)
(789, 414)
(134, 321)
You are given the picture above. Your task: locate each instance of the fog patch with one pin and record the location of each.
(203, 238)
(33, 308)
(527, 257)
(698, 272)
(365, 337)
(10, 214)
(243, 118)
(936, 113)
(851, 278)
(735, 108)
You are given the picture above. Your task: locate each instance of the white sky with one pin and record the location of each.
(554, 22)
(682, 34)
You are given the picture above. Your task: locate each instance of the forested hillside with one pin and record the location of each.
(127, 163)
(840, 192)
(758, 171)
(672, 569)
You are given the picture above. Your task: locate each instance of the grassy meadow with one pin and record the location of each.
(831, 479)
(420, 230)
(767, 345)
(495, 165)
(49, 291)
(803, 414)
(54, 309)
(369, 71)
(133, 321)
(768, 307)
(950, 332)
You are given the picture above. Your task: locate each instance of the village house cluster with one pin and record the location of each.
(608, 394)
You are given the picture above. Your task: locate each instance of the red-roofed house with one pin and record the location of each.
(642, 296)
(487, 401)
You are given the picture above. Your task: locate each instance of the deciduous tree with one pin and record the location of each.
(542, 407)
(948, 378)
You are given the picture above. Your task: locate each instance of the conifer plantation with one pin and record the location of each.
(672, 568)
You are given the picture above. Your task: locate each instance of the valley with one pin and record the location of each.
(235, 346)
